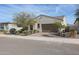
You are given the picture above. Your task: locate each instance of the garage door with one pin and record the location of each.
(48, 28)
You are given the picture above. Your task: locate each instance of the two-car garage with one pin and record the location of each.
(48, 28)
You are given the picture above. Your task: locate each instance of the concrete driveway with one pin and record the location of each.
(45, 34)
(50, 34)
(20, 46)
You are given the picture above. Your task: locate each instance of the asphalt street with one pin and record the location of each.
(13, 46)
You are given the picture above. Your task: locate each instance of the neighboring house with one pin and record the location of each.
(45, 23)
(8, 25)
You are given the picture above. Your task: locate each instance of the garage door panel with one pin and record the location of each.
(48, 28)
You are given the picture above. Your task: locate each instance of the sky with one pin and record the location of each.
(7, 11)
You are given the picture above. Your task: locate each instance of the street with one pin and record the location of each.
(13, 46)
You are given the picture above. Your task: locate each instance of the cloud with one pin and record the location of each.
(8, 10)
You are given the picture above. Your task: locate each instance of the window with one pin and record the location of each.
(1, 28)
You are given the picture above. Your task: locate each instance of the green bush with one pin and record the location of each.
(18, 32)
(25, 32)
(23, 29)
(35, 31)
(30, 32)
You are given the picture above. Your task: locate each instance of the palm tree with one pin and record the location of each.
(77, 13)
(24, 20)
(77, 19)
(77, 16)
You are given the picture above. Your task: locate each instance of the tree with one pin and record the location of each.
(77, 19)
(58, 25)
(24, 19)
(30, 23)
(77, 13)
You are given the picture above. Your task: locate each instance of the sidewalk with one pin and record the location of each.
(50, 39)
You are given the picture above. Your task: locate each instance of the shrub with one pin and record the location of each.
(73, 33)
(35, 31)
(12, 31)
(25, 32)
(5, 32)
(30, 32)
(23, 29)
(18, 32)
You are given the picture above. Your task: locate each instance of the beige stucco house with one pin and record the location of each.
(44, 23)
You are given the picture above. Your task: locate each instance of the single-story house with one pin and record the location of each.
(44, 23)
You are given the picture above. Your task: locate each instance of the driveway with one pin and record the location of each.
(45, 34)
(20, 46)
(50, 34)
(78, 36)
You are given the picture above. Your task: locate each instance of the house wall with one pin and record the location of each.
(13, 26)
(64, 21)
(36, 27)
(5, 26)
(1, 27)
(48, 20)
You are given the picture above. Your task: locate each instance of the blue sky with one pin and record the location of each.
(8, 10)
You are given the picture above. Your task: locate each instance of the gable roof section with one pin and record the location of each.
(44, 19)
(56, 17)
(7, 23)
